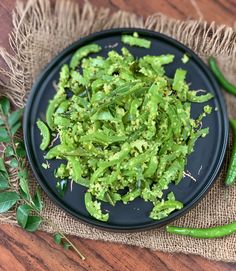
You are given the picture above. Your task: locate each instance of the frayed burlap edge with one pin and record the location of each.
(41, 30)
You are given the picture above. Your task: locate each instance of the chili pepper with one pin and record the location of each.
(83, 52)
(62, 122)
(62, 172)
(220, 77)
(94, 208)
(44, 131)
(164, 208)
(74, 168)
(231, 174)
(53, 104)
(63, 79)
(135, 41)
(130, 196)
(152, 167)
(102, 138)
(192, 97)
(214, 232)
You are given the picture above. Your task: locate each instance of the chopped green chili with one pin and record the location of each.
(44, 131)
(185, 58)
(83, 52)
(135, 40)
(126, 127)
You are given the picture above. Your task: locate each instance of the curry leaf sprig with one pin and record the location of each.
(17, 194)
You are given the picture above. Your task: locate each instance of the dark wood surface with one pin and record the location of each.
(20, 250)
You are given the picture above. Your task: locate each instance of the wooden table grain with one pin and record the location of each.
(20, 251)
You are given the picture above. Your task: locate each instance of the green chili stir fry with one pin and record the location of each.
(127, 127)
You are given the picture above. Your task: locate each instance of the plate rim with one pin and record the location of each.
(155, 223)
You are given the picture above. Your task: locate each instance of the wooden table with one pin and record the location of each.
(20, 250)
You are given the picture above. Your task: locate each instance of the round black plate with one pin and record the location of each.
(204, 163)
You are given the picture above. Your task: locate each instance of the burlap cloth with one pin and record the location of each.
(42, 30)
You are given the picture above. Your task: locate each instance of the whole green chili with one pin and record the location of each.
(231, 173)
(220, 77)
(214, 232)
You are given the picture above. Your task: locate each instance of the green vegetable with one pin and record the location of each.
(164, 208)
(231, 173)
(214, 232)
(94, 208)
(53, 104)
(44, 131)
(185, 59)
(220, 77)
(83, 52)
(126, 126)
(192, 97)
(135, 41)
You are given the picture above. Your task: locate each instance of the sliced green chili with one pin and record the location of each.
(193, 97)
(164, 208)
(53, 104)
(44, 131)
(135, 41)
(94, 208)
(185, 58)
(83, 52)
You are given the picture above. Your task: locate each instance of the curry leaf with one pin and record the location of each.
(66, 245)
(7, 200)
(33, 223)
(37, 200)
(4, 184)
(20, 150)
(5, 105)
(24, 185)
(4, 135)
(57, 238)
(14, 163)
(9, 151)
(15, 117)
(15, 128)
(22, 214)
(2, 166)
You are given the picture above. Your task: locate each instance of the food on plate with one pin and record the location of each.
(124, 127)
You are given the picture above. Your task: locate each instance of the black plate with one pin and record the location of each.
(204, 163)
